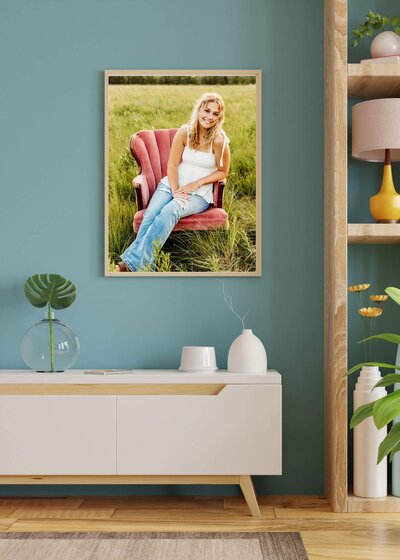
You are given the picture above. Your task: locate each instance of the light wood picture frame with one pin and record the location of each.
(138, 101)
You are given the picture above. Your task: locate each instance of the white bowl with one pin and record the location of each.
(198, 359)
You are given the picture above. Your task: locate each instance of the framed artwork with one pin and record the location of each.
(183, 173)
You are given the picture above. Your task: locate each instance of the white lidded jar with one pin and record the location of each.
(247, 354)
(370, 479)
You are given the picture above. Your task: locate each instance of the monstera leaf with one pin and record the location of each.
(50, 289)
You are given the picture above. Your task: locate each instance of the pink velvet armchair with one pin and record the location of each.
(151, 148)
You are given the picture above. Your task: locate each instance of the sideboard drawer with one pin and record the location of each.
(237, 431)
(57, 435)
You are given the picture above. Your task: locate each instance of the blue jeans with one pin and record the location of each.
(162, 215)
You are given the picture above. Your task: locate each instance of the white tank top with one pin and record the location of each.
(196, 165)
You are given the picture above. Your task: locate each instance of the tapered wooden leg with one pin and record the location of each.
(246, 484)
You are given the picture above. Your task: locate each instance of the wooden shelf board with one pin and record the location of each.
(383, 234)
(371, 81)
(390, 504)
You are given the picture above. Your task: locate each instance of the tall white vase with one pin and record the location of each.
(370, 479)
(396, 457)
(247, 354)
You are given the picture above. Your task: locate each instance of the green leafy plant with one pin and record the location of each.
(374, 22)
(387, 408)
(53, 291)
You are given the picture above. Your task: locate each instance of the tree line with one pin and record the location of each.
(182, 80)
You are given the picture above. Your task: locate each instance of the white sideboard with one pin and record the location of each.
(143, 427)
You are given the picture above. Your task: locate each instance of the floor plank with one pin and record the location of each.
(153, 502)
(296, 513)
(304, 502)
(54, 513)
(135, 526)
(41, 502)
(184, 516)
(351, 545)
(6, 523)
(6, 512)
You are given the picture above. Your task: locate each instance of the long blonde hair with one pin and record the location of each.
(194, 127)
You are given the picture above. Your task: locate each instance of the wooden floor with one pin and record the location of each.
(326, 535)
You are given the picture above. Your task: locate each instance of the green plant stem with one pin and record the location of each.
(362, 327)
(370, 341)
(375, 342)
(51, 337)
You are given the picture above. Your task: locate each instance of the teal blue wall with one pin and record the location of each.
(53, 54)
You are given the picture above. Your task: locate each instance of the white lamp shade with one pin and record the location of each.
(376, 127)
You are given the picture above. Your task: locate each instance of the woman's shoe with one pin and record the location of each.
(121, 267)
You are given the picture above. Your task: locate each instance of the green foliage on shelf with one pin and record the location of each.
(374, 22)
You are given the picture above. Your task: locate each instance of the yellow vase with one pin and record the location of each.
(385, 206)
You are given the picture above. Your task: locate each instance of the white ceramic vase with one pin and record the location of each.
(386, 43)
(370, 479)
(247, 354)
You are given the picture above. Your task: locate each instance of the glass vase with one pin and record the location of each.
(50, 346)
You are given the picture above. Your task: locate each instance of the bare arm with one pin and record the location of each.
(221, 171)
(175, 156)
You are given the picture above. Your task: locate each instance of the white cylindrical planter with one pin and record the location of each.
(396, 456)
(370, 479)
(247, 354)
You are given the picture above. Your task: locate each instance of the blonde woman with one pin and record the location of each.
(199, 157)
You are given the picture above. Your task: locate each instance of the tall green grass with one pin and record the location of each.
(137, 107)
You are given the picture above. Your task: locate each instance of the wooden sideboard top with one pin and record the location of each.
(150, 376)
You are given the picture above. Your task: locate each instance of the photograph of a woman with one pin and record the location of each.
(199, 157)
(188, 146)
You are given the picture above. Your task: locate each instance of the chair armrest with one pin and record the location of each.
(141, 191)
(219, 193)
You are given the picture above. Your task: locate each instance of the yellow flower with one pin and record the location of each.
(370, 311)
(378, 298)
(359, 287)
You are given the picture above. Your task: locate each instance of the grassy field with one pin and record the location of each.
(137, 107)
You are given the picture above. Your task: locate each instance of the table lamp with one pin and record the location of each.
(376, 137)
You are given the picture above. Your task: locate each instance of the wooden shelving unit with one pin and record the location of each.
(343, 81)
